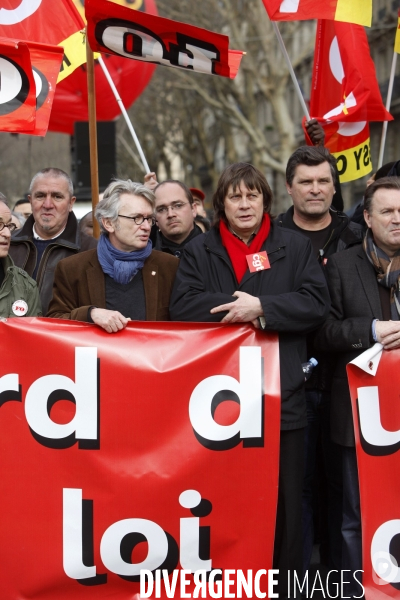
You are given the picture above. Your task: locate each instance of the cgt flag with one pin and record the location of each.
(119, 30)
(343, 65)
(46, 22)
(17, 91)
(349, 11)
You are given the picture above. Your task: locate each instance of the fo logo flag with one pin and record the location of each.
(18, 90)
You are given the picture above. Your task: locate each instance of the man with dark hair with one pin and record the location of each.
(23, 207)
(364, 287)
(214, 284)
(310, 177)
(50, 232)
(175, 214)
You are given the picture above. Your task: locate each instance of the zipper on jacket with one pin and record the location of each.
(45, 258)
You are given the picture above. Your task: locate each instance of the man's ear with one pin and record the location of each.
(288, 189)
(108, 225)
(367, 218)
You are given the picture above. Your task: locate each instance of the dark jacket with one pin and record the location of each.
(293, 294)
(79, 283)
(161, 243)
(344, 234)
(24, 254)
(347, 332)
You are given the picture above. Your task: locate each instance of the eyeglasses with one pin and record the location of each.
(175, 206)
(11, 226)
(140, 219)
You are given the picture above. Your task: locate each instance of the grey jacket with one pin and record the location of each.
(17, 285)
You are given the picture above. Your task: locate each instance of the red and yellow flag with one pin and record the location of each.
(55, 22)
(397, 39)
(343, 65)
(349, 11)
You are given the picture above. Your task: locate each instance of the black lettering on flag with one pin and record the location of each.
(66, 61)
(341, 168)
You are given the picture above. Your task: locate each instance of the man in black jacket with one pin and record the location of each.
(364, 287)
(310, 176)
(50, 233)
(214, 284)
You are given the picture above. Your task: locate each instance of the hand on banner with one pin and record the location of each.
(315, 132)
(245, 309)
(388, 334)
(150, 180)
(110, 320)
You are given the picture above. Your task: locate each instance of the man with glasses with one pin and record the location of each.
(122, 279)
(19, 296)
(175, 214)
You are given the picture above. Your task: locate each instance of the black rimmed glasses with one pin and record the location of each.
(11, 226)
(140, 219)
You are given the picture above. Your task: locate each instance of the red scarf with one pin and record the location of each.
(238, 250)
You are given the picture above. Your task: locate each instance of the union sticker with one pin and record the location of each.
(20, 308)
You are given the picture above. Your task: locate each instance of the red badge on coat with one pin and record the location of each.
(258, 261)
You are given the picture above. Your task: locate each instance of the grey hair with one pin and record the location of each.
(53, 172)
(108, 207)
(3, 198)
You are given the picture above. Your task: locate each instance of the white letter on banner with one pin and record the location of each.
(249, 392)
(113, 39)
(146, 574)
(201, 61)
(16, 15)
(110, 546)
(72, 536)
(289, 6)
(370, 419)
(84, 391)
(9, 383)
(384, 564)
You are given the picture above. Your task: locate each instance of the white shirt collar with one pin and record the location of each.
(37, 237)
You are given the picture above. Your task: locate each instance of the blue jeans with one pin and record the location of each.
(329, 471)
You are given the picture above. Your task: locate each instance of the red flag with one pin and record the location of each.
(350, 11)
(46, 21)
(17, 91)
(46, 61)
(343, 65)
(126, 32)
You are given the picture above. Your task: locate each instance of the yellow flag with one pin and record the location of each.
(397, 40)
(74, 54)
(354, 11)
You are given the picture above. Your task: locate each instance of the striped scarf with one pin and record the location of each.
(388, 272)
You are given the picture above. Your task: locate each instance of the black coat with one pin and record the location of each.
(343, 235)
(293, 294)
(347, 332)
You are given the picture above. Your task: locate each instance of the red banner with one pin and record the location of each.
(343, 65)
(46, 21)
(133, 34)
(349, 11)
(376, 410)
(17, 88)
(155, 448)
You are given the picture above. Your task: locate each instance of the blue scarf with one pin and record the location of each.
(121, 266)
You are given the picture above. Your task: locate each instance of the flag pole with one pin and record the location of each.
(94, 164)
(125, 114)
(291, 71)
(388, 102)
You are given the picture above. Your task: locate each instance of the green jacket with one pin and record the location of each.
(17, 285)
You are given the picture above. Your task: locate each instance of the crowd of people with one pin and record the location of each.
(329, 286)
